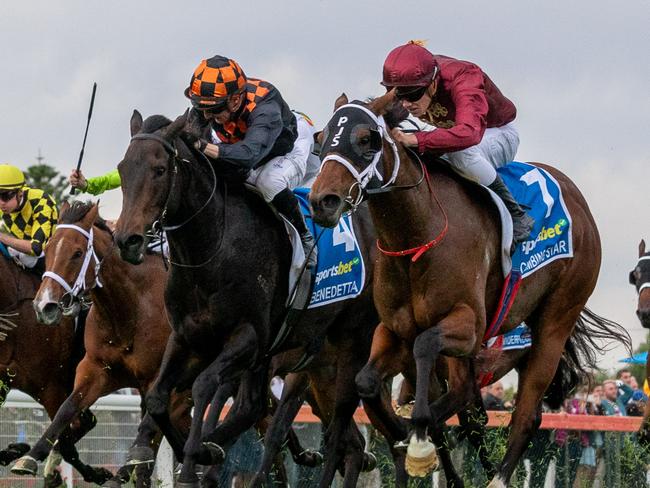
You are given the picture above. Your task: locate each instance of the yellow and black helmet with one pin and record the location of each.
(11, 178)
(215, 79)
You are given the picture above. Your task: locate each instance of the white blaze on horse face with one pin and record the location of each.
(335, 139)
(44, 297)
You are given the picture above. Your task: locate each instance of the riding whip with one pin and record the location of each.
(83, 145)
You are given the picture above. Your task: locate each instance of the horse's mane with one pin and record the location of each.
(154, 123)
(78, 211)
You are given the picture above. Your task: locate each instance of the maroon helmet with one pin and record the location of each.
(409, 65)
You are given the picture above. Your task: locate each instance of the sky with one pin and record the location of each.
(577, 71)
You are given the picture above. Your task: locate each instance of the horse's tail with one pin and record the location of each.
(579, 359)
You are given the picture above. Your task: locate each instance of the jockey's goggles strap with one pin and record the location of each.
(340, 134)
(80, 282)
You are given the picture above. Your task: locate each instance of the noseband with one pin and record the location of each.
(80, 284)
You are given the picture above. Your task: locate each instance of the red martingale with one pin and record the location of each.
(420, 250)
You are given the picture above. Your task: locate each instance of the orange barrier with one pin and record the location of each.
(502, 419)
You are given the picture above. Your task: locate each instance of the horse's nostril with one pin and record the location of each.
(50, 308)
(134, 240)
(330, 202)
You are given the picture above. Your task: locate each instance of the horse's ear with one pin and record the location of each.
(176, 127)
(641, 248)
(90, 217)
(136, 122)
(340, 101)
(64, 206)
(381, 105)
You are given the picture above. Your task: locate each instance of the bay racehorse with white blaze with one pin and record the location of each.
(125, 334)
(39, 361)
(436, 295)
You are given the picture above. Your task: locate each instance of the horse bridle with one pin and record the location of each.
(158, 227)
(79, 284)
(645, 284)
(371, 174)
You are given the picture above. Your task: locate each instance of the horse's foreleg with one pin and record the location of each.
(384, 419)
(224, 392)
(344, 442)
(386, 355)
(178, 363)
(280, 426)
(91, 382)
(203, 390)
(239, 361)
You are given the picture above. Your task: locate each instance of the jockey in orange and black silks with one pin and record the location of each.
(248, 124)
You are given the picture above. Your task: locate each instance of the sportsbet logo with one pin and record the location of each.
(546, 233)
(336, 270)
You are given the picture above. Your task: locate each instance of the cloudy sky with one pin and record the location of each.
(578, 72)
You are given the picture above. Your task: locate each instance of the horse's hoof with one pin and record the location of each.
(13, 452)
(113, 483)
(421, 457)
(140, 455)
(369, 462)
(405, 410)
(25, 466)
(53, 480)
(217, 454)
(99, 476)
(309, 458)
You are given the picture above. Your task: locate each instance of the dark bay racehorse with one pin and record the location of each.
(39, 361)
(126, 329)
(227, 289)
(438, 303)
(640, 278)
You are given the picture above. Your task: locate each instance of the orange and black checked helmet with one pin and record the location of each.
(214, 79)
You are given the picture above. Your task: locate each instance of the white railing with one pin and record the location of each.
(24, 420)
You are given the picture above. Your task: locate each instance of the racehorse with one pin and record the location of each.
(227, 290)
(640, 278)
(126, 329)
(439, 278)
(39, 361)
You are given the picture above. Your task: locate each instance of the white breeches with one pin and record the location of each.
(498, 147)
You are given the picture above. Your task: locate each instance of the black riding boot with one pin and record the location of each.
(522, 223)
(287, 204)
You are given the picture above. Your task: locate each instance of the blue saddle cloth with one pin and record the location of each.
(340, 274)
(550, 239)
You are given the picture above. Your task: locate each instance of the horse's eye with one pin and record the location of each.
(77, 254)
(159, 170)
(364, 140)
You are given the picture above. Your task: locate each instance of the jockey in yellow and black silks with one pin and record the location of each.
(28, 215)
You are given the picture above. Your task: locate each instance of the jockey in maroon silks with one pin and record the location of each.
(473, 119)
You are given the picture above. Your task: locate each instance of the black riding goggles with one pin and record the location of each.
(5, 196)
(409, 93)
(211, 109)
